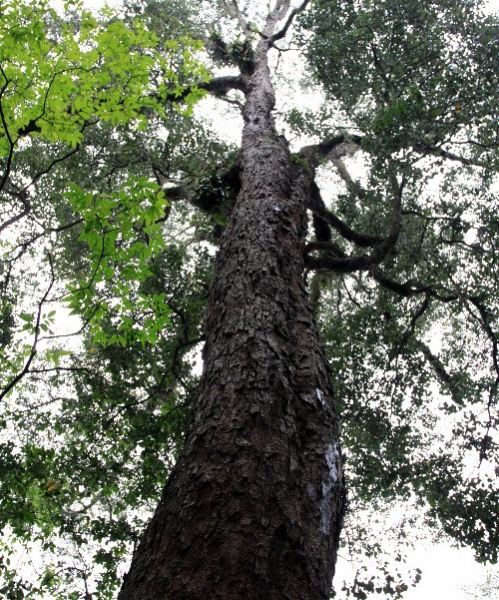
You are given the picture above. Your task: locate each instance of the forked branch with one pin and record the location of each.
(231, 7)
(318, 207)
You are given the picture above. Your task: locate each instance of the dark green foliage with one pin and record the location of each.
(416, 80)
(408, 73)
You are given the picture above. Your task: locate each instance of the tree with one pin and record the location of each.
(254, 505)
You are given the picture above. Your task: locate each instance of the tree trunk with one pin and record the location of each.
(253, 508)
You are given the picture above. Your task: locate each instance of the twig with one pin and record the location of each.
(33, 351)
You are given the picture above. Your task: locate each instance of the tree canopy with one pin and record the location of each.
(115, 192)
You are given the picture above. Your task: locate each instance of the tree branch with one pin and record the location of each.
(280, 34)
(232, 9)
(220, 86)
(26, 369)
(347, 264)
(406, 289)
(318, 207)
(5, 127)
(412, 327)
(409, 288)
(329, 247)
(334, 148)
(24, 198)
(444, 377)
(387, 245)
(426, 150)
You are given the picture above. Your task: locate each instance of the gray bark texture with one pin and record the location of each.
(253, 508)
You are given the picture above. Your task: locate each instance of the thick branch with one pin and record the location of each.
(318, 207)
(348, 264)
(337, 147)
(381, 246)
(329, 247)
(176, 193)
(220, 86)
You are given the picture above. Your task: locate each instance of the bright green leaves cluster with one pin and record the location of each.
(56, 77)
(122, 233)
(63, 76)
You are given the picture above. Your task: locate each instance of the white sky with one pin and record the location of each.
(445, 571)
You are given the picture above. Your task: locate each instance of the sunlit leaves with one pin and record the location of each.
(80, 94)
(57, 78)
(123, 233)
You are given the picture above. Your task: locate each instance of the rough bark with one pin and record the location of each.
(253, 508)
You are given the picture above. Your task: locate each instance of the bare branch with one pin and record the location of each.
(280, 9)
(280, 34)
(318, 207)
(342, 171)
(232, 9)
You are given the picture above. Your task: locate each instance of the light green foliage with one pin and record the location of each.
(57, 77)
(123, 232)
